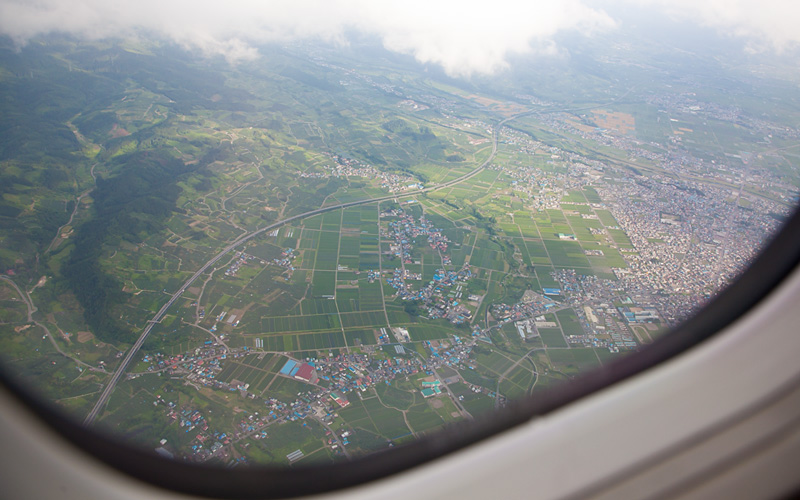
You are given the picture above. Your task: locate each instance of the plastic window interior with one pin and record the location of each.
(769, 268)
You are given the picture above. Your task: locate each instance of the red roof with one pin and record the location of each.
(305, 372)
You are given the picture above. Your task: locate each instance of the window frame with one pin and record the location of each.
(767, 271)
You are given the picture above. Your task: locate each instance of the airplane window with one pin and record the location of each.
(280, 238)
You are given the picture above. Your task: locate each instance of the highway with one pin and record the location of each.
(126, 361)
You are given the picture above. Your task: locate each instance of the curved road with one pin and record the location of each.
(109, 388)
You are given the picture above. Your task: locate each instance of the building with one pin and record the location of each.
(306, 373)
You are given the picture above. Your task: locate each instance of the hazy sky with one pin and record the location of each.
(464, 36)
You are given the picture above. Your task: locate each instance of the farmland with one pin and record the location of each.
(318, 273)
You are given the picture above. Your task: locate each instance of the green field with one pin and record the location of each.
(552, 337)
(129, 165)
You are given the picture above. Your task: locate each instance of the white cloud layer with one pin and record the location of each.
(766, 24)
(464, 36)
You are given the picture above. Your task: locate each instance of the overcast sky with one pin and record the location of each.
(464, 36)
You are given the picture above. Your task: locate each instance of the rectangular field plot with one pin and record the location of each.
(560, 228)
(259, 385)
(556, 216)
(390, 422)
(526, 224)
(569, 322)
(580, 228)
(427, 332)
(519, 243)
(357, 416)
(264, 250)
(537, 252)
(545, 277)
(350, 245)
(485, 178)
(281, 324)
(439, 220)
(546, 230)
(552, 337)
(494, 362)
(285, 389)
(369, 237)
(518, 382)
(610, 258)
(574, 360)
(399, 317)
(368, 261)
(317, 306)
(391, 395)
(356, 337)
(607, 356)
(271, 343)
(369, 295)
(230, 372)
(591, 195)
(606, 218)
(290, 343)
(351, 218)
(487, 259)
(575, 196)
(331, 221)
(328, 252)
(476, 404)
(522, 375)
(314, 222)
(566, 253)
(308, 258)
(511, 390)
(309, 239)
(251, 369)
(368, 215)
(459, 255)
(314, 341)
(323, 283)
(509, 229)
(362, 319)
(620, 238)
(369, 229)
(347, 300)
(583, 209)
(349, 263)
(421, 418)
(252, 376)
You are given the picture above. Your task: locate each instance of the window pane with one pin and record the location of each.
(288, 250)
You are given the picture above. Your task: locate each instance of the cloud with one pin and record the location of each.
(765, 24)
(465, 36)
(475, 36)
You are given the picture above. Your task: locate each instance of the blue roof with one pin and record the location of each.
(287, 368)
